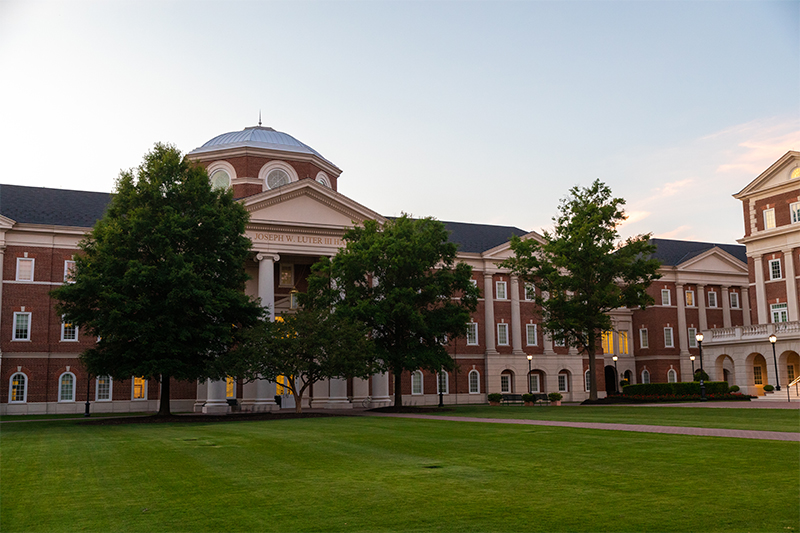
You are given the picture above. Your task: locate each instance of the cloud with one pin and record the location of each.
(671, 189)
(758, 144)
(681, 232)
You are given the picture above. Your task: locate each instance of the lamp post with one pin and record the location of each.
(772, 340)
(441, 391)
(88, 384)
(692, 358)
(699, 338)
(616, 373)
(530, 358)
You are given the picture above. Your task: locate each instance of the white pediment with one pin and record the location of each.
(309, 204)
(504, 251)
(714, 260)
(776, 176)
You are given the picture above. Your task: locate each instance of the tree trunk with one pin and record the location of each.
(298, 396)
(398, 391)
(163, 407)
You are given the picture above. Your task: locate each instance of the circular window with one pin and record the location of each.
(323, 179)
(277, 178)
(220, 180)
(796, 173)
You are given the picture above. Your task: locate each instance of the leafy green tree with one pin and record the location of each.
(401, 280)
(584, 270)
(161, 277)
(305, 347)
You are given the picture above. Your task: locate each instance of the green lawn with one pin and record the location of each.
(378, 474)
(17, 418)
(726, 418)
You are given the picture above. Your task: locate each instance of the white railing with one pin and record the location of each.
(749, 333)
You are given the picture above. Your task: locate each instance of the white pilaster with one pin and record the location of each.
(488, 314)
(701, 307)
(516, 321)
(726, 306)
(683, 333)
(761, 291)
(791, 284)
(745, 293)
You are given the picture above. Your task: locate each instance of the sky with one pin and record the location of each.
(470, 111)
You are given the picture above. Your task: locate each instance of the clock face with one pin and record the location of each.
(277, 178)
(220, 180)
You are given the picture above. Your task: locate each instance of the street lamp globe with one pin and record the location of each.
(699, 337)
(773, 339)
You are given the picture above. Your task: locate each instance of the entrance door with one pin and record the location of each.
(611, 379)
(287, 398)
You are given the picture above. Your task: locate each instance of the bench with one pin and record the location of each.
(540, 397)
(512, 399)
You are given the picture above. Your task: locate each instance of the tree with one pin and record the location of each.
(402, 281)
(584, 271)
(305, 347)
(161, 278)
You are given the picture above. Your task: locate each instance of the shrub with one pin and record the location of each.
(624, 383)
(735, 388)
(554, 396)
(700, 374)
(769, 388)
(528, 398)
(666, 389)
(495, 397)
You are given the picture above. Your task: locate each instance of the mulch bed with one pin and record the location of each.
(411, 410)
(237, 417)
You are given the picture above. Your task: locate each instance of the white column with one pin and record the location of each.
(202, 395)
(745, 292)
(726, 306)
(791, 284)
(217, 401)
(761, 292)
(683, 333)
(266, 281)
(360, 391)
(380, 389)
(338, 395)
(321, 393)
(488, 313)
(2, 259)
(259, 396)
(516, 322)
(701, 307)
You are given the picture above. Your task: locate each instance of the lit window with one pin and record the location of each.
(103, 389)
(416, 382)
(645, 376)
(665, 297)
(139, 388)
(690, 298)
(712, 299)
(692, 334)
(587, 381)
(24, 269)
(442, 383)
(608, 342)
(780, 312)
(775, 269)
(66, 387)
(734, 300)
(795, 210)
(472, 334)
(501, 290)
(668, 342)
(69, 271)
(22, 327)
(69, 332)
(18, 392)
(769, 218)
(530, 291)
(531, 334)
(795, 173)
(287, 275)
(534, 379)
(623, 342)
(474, 382)
(563, 383)
(502, 334)
(230, 387)
(644, 340)
(505, 383)
(294, 300)
(757, 380)
(672, 376)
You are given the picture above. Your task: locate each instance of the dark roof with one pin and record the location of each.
(672, 253)
(58, 207)
(480, 237)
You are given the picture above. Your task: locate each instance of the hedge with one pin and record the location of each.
(674, 389)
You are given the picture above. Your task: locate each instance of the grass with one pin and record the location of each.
(378, 474)
(725, 418)
(69, 416)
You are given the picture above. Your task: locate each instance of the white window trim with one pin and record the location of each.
(63, 330)
(538, 387)
(502, 325)
(587, 385)
(671, 338)
(497, 285)
(794, 210)
(473, 327)
(478, 381)
(712, 295)
(74, 387)
(222, 165)
(133, 390)
(670, 373)
(14, 326)
(645, 372)
(644, 338)
(668, 294)
(421, 383)
(566, 382)
(694, 301)
(510, 386)
(772, 271)
(97, 389)
(528, 340)
(272, 165)
(530, 287)
(769, 213)
(323, 179)
(446, 376)
(734, 296)
(33, 268)
(67, 264)
(24, 390)
(691, 334)
(781, 308)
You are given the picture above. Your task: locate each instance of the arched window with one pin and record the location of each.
(442, 383)
(533, 382)
(672, 376)
(416, 382)
(102, 389)
(66, 387)
(587, 381)
(17, 388)
(474, 382)
(645, 376)
(563, 381)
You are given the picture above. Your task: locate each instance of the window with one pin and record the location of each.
(623, 342)
(672, 376)
(277, 178)
(502, 334)
(780, 312)
(69, 271)
(472, 334)
(645, 376)
(530, 291)
(757, 379)
(665, 297)
(608, 342)
(66, 387)
(531, 334)
(501, 290)
(775, 269)
(69, 332)
(505, 383)
(230, 387)
(734, 300)
(587, 381)
(22, 327)
(644, 340)
(534, 382)
(795, 210)
(668, 342)
(139, 391)
(287, 275)
(17, 390)
(442, 383)
(769, 218)
(416, 382)
(24, 269)
(563, 383)
(220, 179)
(102, 389)
(322, 178)
(689, 298)
(560, 343)
(790, 372)
(692, 335)
(712, 299)
(474, 382)
(294, 300)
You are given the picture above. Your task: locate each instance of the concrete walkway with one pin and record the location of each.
(672, 430)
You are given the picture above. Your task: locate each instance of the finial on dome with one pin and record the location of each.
(259, 118)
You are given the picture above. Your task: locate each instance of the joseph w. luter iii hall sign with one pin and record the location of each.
(736, 294)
